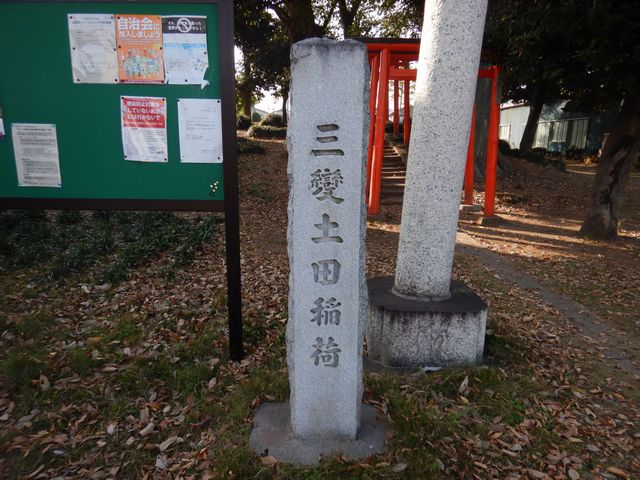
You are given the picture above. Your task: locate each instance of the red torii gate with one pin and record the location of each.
(389, 60)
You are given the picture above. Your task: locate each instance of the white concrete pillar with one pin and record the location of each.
(328, 296)
(445, 88)
(327, 143)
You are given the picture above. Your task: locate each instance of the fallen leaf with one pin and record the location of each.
(144, 416)
(168, 442)
(269, 460)
(618, 472)
(464, 386)
(399, 467)
(161, 462)
(536, 474)
(44, 383)
(147, 430)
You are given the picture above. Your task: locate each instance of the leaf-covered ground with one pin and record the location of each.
(113, 353)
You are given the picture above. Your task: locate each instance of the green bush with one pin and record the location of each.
(243, 122)
(272, 120)
(246, 146)
(263, 131)
(256, 117)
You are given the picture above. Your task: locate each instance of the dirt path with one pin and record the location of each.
(590, 324)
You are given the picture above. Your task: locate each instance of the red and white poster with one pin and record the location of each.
(144, 128)
(140, 56)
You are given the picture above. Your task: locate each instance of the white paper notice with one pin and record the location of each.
(200, 130)
(94, 57)
(35, 146)
(185, 49)
(144, 128)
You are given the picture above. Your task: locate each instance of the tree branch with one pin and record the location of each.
(325, 24)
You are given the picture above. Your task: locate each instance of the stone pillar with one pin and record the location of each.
(445, 88)
(327, 143)
(419, 317)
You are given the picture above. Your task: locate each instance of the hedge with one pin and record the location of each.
(272, 120)
(246, 146)
(243, 122)
(264, 131)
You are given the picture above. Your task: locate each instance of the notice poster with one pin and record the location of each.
(185, 49)
(139, 39)
(92, 38)
(144, 128)
(35, 146)
(200, 130)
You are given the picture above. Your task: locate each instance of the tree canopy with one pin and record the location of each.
(265, 30)
(581, 50)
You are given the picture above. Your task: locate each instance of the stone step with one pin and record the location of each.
(392, 190)
(394, 180)
(392, 200)
(391, 184)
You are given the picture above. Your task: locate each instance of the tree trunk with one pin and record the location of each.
(245, 88)
(245, 94)
(347, 16)
(607, 192)
(285, 96)
(298, 18)
(535, 109)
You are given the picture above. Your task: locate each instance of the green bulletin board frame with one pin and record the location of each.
(36, 86)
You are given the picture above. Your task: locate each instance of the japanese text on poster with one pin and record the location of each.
(35, 147)
(185, 49)
(92, 38)
(139, 39)
(200, 130)
(144, 128)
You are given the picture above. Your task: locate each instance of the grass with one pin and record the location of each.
(21, 366)
(175, 353)
(66, 243)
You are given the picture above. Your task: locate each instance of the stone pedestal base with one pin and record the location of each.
(271, 435)
(410, 333)
(471, 208)
(493, 221)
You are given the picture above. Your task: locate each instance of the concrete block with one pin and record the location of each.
(272, 435)
(405, 332)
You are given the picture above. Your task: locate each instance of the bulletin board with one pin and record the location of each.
(36, 86)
